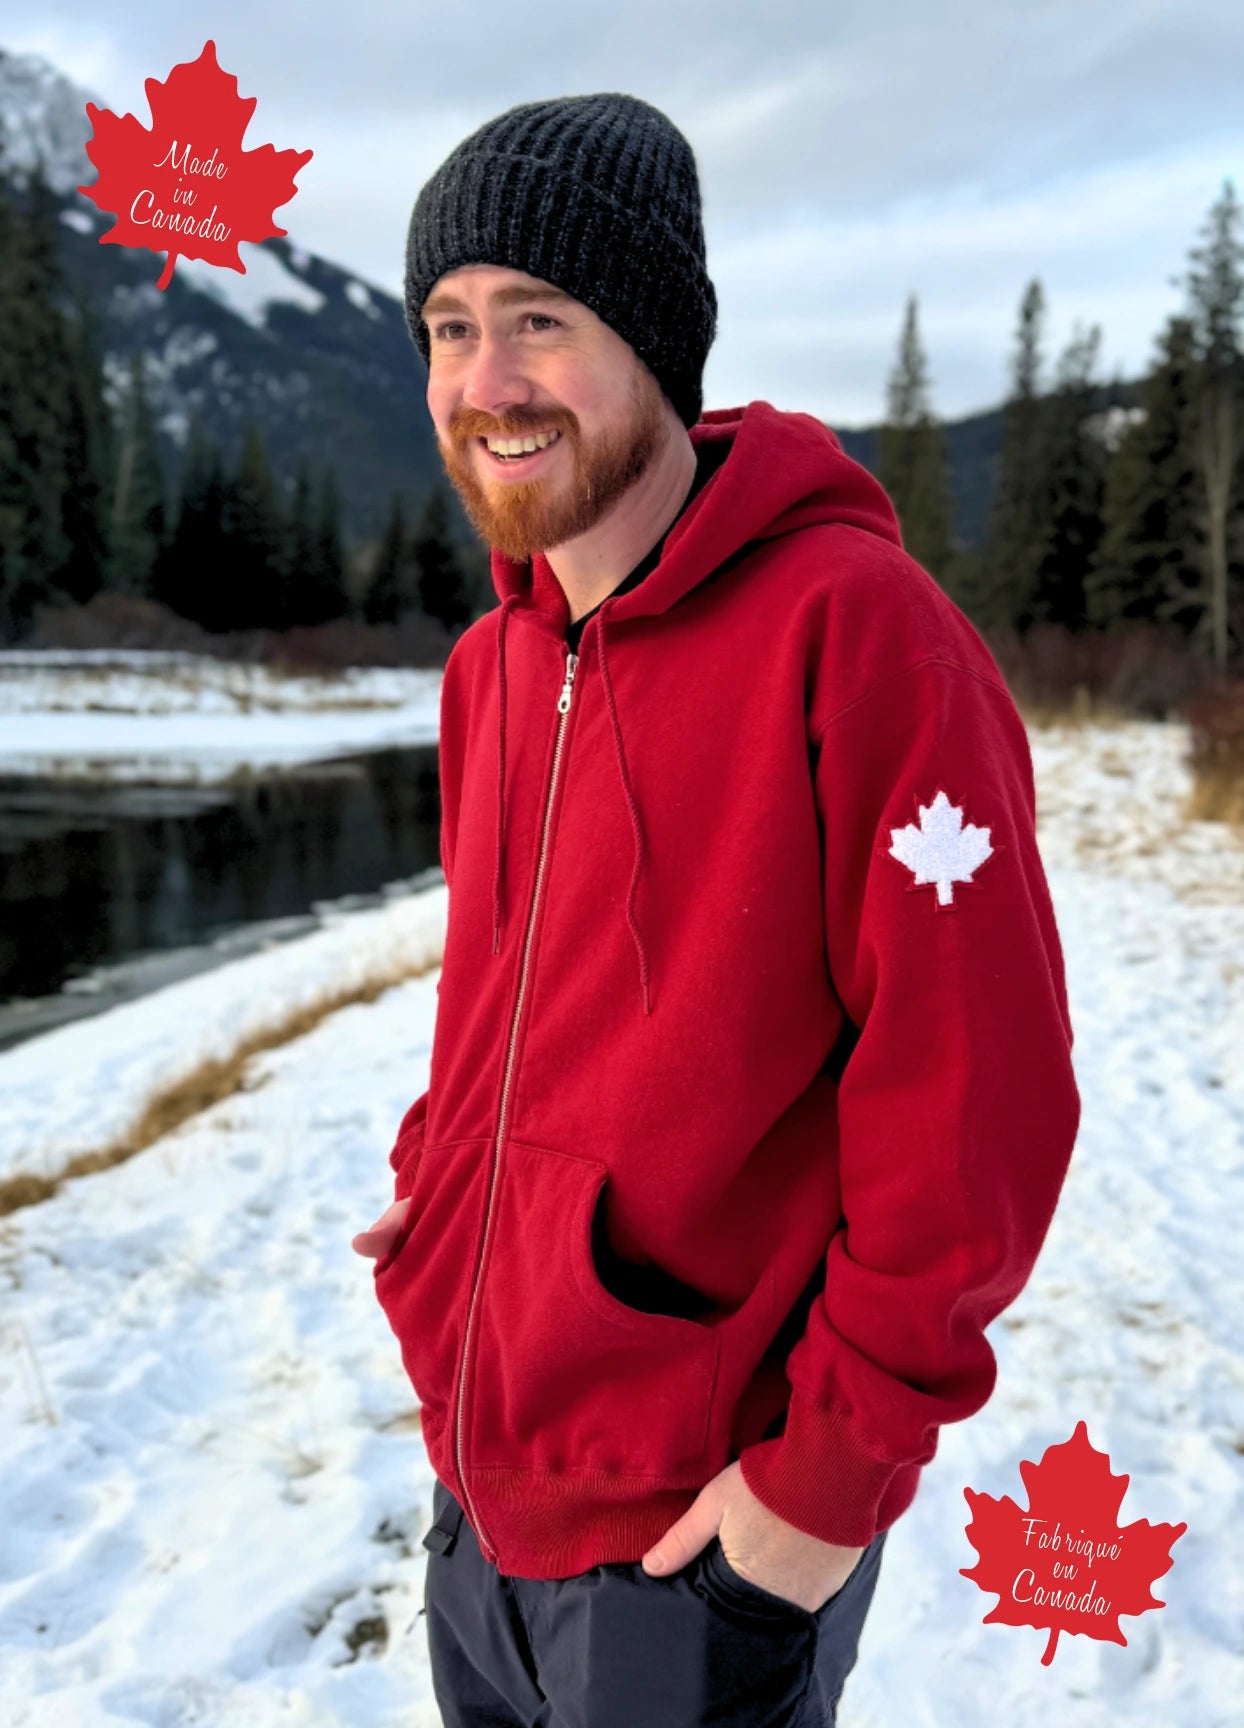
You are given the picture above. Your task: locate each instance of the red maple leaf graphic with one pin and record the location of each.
(186, 186)
(1065, 1564)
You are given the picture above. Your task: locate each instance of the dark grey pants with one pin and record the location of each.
(612, 1647)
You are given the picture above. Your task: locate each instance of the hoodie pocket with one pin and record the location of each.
(399, 1242)
(569, 1378)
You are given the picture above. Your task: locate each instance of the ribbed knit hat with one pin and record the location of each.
(597, 195)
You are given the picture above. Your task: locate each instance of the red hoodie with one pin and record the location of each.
(779, 808)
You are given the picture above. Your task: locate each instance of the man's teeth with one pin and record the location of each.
(520, 446)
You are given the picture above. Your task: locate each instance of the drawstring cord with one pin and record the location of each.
(636, 826)
(632, 807)
(507, 607)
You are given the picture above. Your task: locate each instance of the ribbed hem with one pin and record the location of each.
(557, 1524)
(820, 1478)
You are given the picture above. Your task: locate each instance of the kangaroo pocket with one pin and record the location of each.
(423, 1283)
(568, 1378)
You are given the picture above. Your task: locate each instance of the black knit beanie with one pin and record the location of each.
(597, 195)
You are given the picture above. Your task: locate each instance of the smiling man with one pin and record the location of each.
(601, 462)
(751, 1091)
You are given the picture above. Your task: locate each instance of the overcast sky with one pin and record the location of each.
(850, 155)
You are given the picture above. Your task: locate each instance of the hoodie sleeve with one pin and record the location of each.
(408, 1147)
(958, 1108)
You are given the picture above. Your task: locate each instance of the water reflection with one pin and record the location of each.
(93, 875)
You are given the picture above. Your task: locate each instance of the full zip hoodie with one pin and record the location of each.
(751, 1092)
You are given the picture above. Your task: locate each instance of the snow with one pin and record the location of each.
(175, 424)
(266, 281)
(1112, 424)
(192, 720)
(212, 1484)
(358, 296)
(43, 114)
(184, 347)
(124, 1059)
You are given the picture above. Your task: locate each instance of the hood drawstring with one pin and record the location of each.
(620, 756)
(506, 608)
(636, 826)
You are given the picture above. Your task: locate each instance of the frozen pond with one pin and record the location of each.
(109, 888)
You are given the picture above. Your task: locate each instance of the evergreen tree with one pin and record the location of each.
(322, 594)
(90, 451)
(218, 604)
(36, 401)
(137, 527)
(17, 593)
(389, 590)
(441, 588)
(1216, 291)
(1005, 578)
(911, 458)
(193, 565)
(1074, 472)
(1147, 563)
(255, 530)
(300, 544)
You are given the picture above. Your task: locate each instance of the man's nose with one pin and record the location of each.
(495, 380)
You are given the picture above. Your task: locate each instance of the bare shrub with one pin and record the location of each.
(1215, 719)
(415, 640)
(1144, 670)
(128, 621)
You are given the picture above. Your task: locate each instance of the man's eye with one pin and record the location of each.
(440, 330)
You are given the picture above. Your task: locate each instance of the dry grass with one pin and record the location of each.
(1081, 709)
(1217, 794)
(1215, 720)
(198, 1091)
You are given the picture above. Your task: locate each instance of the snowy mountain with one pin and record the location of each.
(319, 358)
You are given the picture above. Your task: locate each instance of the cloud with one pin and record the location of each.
(848, 157)
(84, 52)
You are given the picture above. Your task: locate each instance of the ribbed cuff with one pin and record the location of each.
(819, 1477)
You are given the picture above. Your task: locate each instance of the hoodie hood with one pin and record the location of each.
(782, 472)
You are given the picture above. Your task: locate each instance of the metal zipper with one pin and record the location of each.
(563, 709)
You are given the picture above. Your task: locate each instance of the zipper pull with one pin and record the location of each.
(563, 701)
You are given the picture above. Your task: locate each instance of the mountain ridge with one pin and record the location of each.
(320, 358)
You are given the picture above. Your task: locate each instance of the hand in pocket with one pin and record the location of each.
(377, 1242)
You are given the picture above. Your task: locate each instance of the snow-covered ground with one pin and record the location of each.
(190, 720)
(212, 1484)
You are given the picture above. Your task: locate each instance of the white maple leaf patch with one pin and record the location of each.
(942, 850)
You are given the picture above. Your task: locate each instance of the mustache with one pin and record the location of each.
(467, 426)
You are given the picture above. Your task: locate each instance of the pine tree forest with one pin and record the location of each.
(1095, 525)
(86, 508)
(1096, 521)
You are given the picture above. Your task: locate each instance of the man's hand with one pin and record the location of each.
(377, 1241)
(759, 1545)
